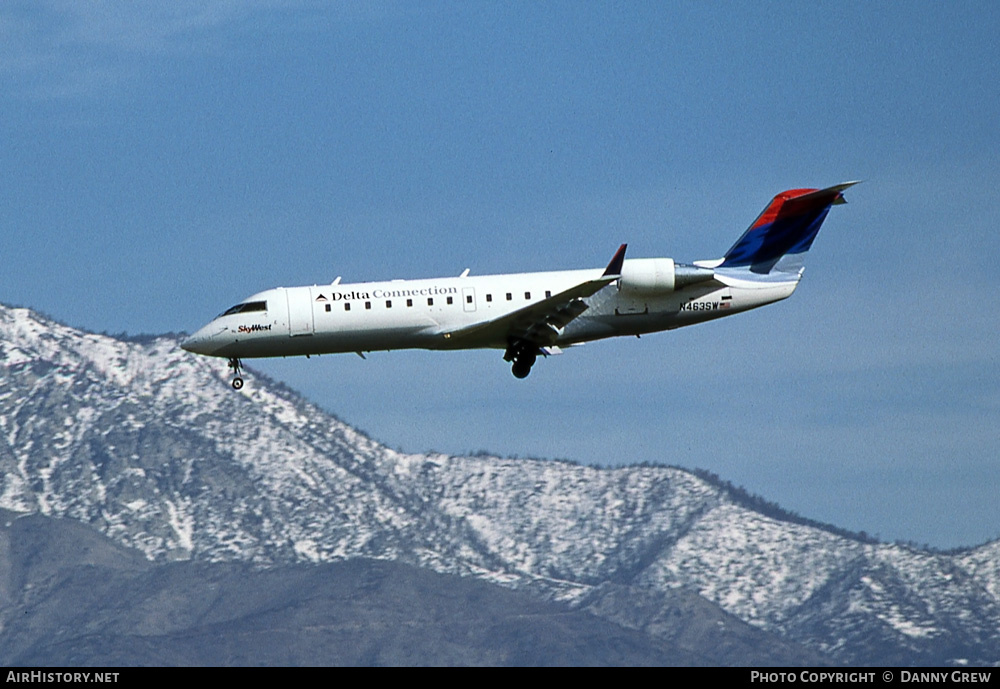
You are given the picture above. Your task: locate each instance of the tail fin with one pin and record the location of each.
(784, 231)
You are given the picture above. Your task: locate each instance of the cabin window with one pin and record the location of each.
(246, 307)
(409, 302)
(509, 296)
(347, 306)
(328, 307)
(489, 297)
(450, 300)
(430, 301)
(548, 293)
(527, 296)
(388, 304)
(468, 298)
(368, 304)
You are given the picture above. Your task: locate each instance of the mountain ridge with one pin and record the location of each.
(72, 596)
(150, 445)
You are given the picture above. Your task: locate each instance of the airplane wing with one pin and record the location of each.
(540, 323)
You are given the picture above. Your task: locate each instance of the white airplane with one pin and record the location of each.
(526, 314)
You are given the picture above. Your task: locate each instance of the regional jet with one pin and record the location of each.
(526, 314)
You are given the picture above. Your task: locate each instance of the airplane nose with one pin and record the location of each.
(195, 343)
(205, 341)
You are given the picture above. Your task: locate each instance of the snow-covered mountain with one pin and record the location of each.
(150, 445)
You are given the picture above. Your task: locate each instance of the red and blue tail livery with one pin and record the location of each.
(526, 315)
(784, 231)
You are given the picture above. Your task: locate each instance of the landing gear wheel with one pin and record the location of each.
(237, 367)
(520, 369)
(523, 358)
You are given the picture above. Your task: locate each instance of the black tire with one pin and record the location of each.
(237, 383)
(520, 369)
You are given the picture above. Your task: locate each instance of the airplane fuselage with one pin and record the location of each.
(420, 314)
(527, 314)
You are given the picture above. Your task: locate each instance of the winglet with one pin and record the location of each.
(615, 267)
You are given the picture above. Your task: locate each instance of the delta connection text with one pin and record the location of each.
(390, 293)
(904, 676)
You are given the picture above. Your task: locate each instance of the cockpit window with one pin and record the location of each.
(246, 308)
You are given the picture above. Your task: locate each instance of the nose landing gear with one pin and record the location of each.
(234, 364)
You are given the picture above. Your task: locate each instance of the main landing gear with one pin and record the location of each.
(234, 364)
(523, 356)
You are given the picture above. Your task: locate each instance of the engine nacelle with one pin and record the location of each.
(650, 276)
(645, 276)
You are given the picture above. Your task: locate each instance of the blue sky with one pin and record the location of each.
(161, 161)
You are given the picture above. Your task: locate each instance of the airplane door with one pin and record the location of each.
(469, 298)
(300, 311)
